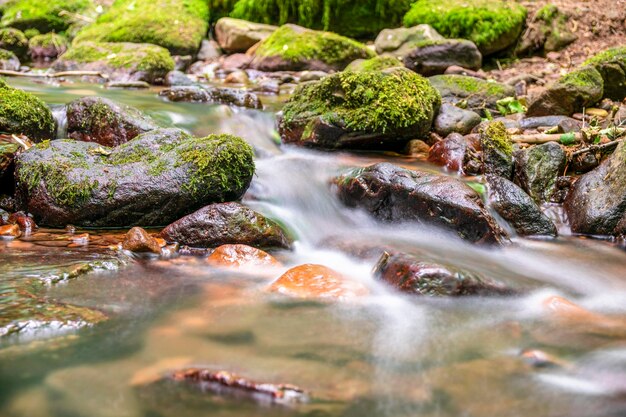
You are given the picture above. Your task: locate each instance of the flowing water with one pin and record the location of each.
(384, 355)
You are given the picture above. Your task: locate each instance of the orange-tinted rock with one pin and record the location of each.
(139, 241)
(316, 281)
(241, 256)
(25, 223)
(10, 230)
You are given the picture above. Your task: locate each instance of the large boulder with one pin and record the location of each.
(493, 25)
(569, 94)
(398, 42)
(23, 113)
(596, 205)
(177, 25)
(15, 41)
(121, 61)
(517, 208)
(43, 15)
(294, 48)
(100, 120)
(360, 110)
(473, 93)
(226, 223)
(395, 194)
(236, 35)
(212, 95)
(151, 180)
(46, 47)
(537, 169)
(611, 64)
(8, 61)
(434, 57)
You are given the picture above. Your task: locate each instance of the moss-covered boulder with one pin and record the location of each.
(121, 61)
(497, 150)
(178, 25)
(236, 35)
(23, 113)
(43, 15)
(493, 25)
(152, 180)
(398, 42)
(360, 110)
(46, 47)
(377, 63)
(103, 121)
(470, 92)
(15, 41)
(8, 61)
(611, 64)
(294, 48)
(580, 88)
(354, 18)
(434, 57)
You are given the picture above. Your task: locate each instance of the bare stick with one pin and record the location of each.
(53, 74)
(594, 148)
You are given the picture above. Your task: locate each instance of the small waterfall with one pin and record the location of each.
(59, 112)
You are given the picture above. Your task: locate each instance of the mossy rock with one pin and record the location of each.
(354, 18)
(122, 61)
(8, 61)
(470, 92)
(378, 63)
(546, 31)
(43, 15)
(294, 48)
(377, 109)
(493, 25)
(398, 42)
(23, 113)
(177, 25)
(612, 67)
(434, 57)
(48, 46)
(15, 41)
(151, 180)
(497, 150)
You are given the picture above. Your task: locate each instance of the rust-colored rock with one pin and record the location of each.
(139, 241)
(449, 153)
(241, 256)
(25, 223)
(10, 231)
(316, 281)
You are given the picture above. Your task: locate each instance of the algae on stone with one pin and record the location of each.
(24, 113)
(43, 15)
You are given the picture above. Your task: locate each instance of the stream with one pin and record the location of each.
(383, 355)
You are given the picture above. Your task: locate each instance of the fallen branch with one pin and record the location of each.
(566, 138)
(595, 148)
(53, 74)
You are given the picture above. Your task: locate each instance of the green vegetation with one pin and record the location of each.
(583, 77)
(48, 40)
(15, 41)
(378, 63)
(471, 85)
(611, 64)
(492, 25)
(178, 25)
(42, 15)
(617, 54)
(498, 138)
(150, 58)
(354, 18)
(327, 47)
(547, 13)
(372, 101)
(6, 55)
(23, 113)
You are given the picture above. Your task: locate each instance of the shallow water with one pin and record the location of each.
(383, 355)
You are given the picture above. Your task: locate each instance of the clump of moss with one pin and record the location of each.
(15, 41)
(547, 13)
(43, 15)
(354, 18)
(178, 25)
(583, 77)
(617, 54)
(23, 113)
(498, 138)
(292, 44)
(48, 40)
(611, 64)
(472, 85)
(142, 57)
(372, 101)
(6, 55)
(377, 63)
(492, 25)
(31, 32)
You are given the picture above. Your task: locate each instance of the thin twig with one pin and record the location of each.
(594, 148)
(53, 74)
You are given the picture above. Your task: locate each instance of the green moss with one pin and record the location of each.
(31, 32)
(220, 8)
(142, 57)
(610, 55)
(582, 77)
(42, 15)
(178, 25)
(48, 40)
(378, 63)
(15, 41)
(23, 113)
(547, 13)
(498, 138)
(491, 24)
(328, 47)
(372, 101)
(354, 18)
(473, 85)
(6, 55)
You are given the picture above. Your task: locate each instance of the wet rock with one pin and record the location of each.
(241, 257)
(584, 163)
(546, 31)
(537, 169)
(103, 121)
(15, 41)
(8, 61)
(139, 241)
(596, 205)
(497, 148)
(127, 85)
(474, 93)
(449, 153)
(398, 42)
(408, 274)
(360, 110)
(434, 57)
(26, 223)
(312, 76)
(452, 119)
(23, 113)
(378, 63)
(417, 148)
(212, 95)
(235, 35)
(268, 86)
(316, 281)
(226, 223)
(546, 121)
(121, 61)
(517, 208)
(611, 64)
(572, 92)
(177, 78)
(151, 180)
(237, 77)
(46, 47)
(10, 231)
(391, 193)
(209, 50)
(294, 48)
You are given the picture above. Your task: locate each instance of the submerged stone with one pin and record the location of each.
(149, 181)
(139, 241)
(316, 281)
(24, 113)
(212, 95)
